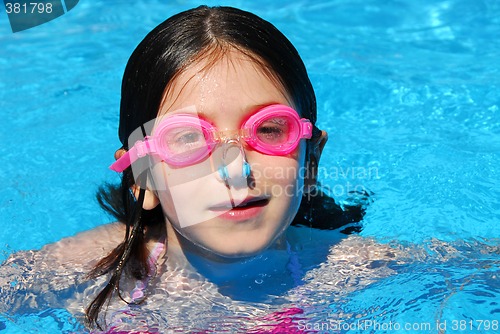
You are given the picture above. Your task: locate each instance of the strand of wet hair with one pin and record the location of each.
(125, 249)
(123, 209)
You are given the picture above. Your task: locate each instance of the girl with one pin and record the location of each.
(219, 157)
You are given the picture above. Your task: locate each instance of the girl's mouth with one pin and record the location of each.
(248, 209)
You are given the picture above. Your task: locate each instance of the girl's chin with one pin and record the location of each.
(228, 244)
(237, 251)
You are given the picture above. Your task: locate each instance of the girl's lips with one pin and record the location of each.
(248, 209)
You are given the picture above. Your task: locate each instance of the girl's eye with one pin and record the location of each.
(273, 131)
(186, 139)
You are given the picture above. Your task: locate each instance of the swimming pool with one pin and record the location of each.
(409, 93)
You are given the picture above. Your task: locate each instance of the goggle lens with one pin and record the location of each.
(183, 140)
(274, 131)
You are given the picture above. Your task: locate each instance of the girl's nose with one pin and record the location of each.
(234, 169)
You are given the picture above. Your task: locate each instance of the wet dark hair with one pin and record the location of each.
(164, 53)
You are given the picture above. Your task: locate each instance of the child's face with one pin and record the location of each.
(197, 202)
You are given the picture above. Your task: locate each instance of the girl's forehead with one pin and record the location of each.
(229, 84)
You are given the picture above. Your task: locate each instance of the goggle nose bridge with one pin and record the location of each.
(230, 136)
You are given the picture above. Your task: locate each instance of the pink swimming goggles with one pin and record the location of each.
(184, 139)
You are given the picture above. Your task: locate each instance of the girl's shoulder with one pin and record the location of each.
(54, 270)
(355, 262)
(85, 248)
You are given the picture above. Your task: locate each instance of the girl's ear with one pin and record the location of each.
(150, 199)
(314, 150)
(119, 153)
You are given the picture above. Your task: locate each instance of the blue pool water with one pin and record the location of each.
(409, 92)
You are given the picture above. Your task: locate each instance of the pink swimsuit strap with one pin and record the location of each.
(138, 292)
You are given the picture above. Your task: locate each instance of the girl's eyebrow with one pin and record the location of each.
(192, 110)
(250, 110)
(254, 108)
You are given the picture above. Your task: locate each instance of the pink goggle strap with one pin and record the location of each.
(139, 150)
(126, 160)
(307, 128)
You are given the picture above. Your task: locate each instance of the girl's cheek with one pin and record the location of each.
(279, 169)
(278, 176)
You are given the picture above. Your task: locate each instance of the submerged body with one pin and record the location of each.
(296, 280)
